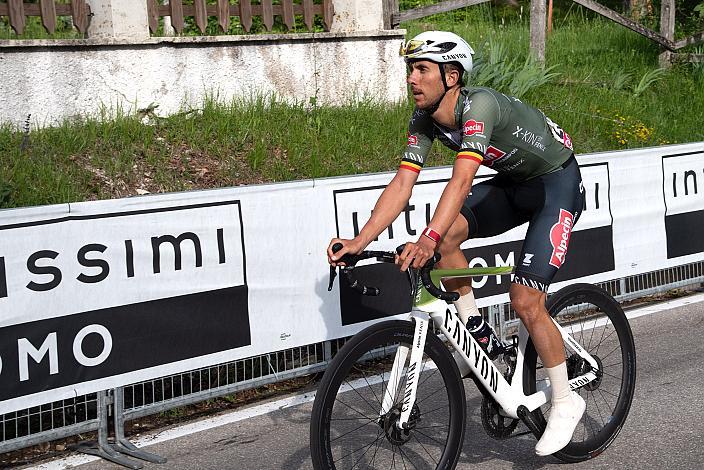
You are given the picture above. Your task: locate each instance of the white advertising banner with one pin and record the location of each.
(96, 295)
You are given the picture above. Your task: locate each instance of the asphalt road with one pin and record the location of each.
(665, 428)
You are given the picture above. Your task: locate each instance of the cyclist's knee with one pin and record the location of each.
(528, 303)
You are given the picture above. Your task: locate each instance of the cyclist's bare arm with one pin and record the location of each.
(453, 196)
(390, 204)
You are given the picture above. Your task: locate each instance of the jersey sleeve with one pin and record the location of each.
(420, 140)
(481, 113)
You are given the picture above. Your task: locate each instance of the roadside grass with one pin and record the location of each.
(601, 83)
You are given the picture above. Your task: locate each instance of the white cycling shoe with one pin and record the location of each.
(562, 422)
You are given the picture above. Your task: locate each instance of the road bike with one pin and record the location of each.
(393, 396)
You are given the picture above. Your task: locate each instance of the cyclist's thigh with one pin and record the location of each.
(548, 235)
(489, 210)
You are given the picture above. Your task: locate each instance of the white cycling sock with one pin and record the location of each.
(559, 383)
(466, 307)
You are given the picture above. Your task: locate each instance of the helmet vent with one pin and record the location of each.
(445, 47)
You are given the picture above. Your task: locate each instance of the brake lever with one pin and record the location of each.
(333, 275)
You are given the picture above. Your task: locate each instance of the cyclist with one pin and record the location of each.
(537, 181)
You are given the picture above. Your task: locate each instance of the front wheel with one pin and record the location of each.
(347, 429)
(596, 321)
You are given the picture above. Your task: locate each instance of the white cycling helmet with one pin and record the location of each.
(441, 47)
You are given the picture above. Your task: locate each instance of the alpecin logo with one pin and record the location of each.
(472, 127)
(560, 238)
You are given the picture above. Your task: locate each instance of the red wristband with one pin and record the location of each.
(432, 234)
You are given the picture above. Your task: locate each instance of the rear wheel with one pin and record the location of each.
(347, 430)
(597, 322)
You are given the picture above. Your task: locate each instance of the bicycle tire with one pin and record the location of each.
(581, 306)
(336, 416)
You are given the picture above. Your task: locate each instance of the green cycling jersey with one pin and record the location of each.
(496, 130)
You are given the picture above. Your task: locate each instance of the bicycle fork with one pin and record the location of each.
(412, 372)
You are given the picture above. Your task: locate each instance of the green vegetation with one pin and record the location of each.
(601, 83)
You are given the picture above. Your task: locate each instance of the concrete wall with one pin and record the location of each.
(55, 80)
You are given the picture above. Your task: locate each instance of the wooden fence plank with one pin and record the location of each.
(267, 14)
(224, 15)
(390, 8)
(48, 14)
(153, 15)
(79, 12)
(17, 20)
(628, 23)
(537, 29)
(308, 15)
(289, 19)
(201, 15)
(246, 14)
(693, 39)
(327, 14)
(667, 29)
(442, 7)
(176, 7)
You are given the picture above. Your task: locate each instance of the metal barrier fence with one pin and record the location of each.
(89, 413)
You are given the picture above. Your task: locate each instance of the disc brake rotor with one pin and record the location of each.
(394, 434)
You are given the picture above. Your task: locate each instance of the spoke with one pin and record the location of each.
(339, 400)
(598, 410)
(607, 402)
(432, 438)
(424, 448)
(610, 393)
(360, 395)
(376, 449)
(618, 377)
(352, 419)
(590, 339)
(433, 410)
(365, 452)
(617, 348)
(350, 432)
(428, 377)
(428, 396)
(409, 460)
(620, 363)
(601, 341)
(432, 426)
(358, 449)
(604, 338)
(371, 389)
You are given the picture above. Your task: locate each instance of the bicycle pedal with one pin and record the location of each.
(530, 420)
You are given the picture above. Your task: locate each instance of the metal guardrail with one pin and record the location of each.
(48, 422)
(83, 414)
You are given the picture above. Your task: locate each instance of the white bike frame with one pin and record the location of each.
(509, 396)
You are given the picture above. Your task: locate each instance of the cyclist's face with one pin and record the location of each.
(424, 80)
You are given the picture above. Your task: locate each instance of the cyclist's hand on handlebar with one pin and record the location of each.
(416, 254)
(352, 247)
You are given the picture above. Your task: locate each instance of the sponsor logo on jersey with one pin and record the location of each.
(494, 155)
(472, 127)
(559, 134)
(412, 140)
(413, 157)
(560, 238)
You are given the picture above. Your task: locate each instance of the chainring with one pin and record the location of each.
(496, 425)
